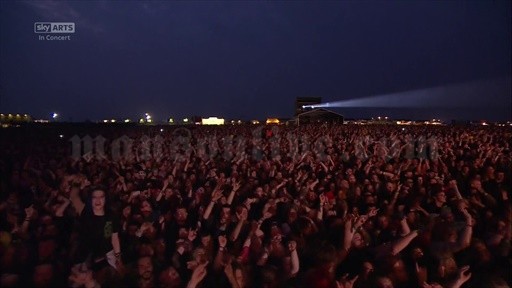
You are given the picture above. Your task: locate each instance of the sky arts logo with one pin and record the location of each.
(54, 27)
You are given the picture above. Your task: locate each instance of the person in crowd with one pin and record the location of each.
(316, 205)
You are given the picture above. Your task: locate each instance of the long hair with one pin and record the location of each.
(88, 202)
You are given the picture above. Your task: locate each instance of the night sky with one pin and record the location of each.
(250, 60)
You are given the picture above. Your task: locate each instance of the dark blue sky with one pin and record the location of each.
(249, 60)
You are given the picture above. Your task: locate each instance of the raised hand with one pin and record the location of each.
(198, 275)
(236, 186)
(220, 183)
(228, 269)
(217, 194)
(322, 199)
(81, 276)
(360, 221)
(463, 276)
(248, 202)
(345, 282)
(243, 215)
(373, 212)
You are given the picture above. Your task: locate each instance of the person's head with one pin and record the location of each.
(374, 178)
(145, 268)
(146, 249)
(181, 214)
(43, 275)
(199, 255)
(259, 192)
(398, 270)
(440, 197)
(390, 187)
(411, 216)
(352, 179)
(275, 232)
(359, 241)
(384, 282)
(269, 277)
(500, 176)
(168, 193)
(446, 267)
(481, 252)
(367, 269)
(9, 280)
(292, 215)
(98, 200)
(127, 211)
(383, 221)
(170, 278)
(145, 207)
(46, 248)
(446, 214)
(409, 182)
(305, 226)
(311, 196)
(369, 188)
(489, 172)
(476, 184)
(159, 246)
(206, 240)
(225, 215)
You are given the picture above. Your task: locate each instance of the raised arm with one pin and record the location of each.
(218, 262)
(465, 239)
(401, 243)
(292, 247)
(62, 207)
(242, 217)
(77, 203)
(217, 194)
(116, 244)
(236, 186)
(405, 227)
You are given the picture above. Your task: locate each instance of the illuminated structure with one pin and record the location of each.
(272, 121)
(302, 102)
(15, 118)
(319, 115)
(212, 121)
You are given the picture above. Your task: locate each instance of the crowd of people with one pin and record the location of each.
(318, 205)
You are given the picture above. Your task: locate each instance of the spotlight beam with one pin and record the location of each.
(471, 94)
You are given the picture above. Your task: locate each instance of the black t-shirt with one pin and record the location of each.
(97, 233)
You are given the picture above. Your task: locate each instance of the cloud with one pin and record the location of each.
(63, 11)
